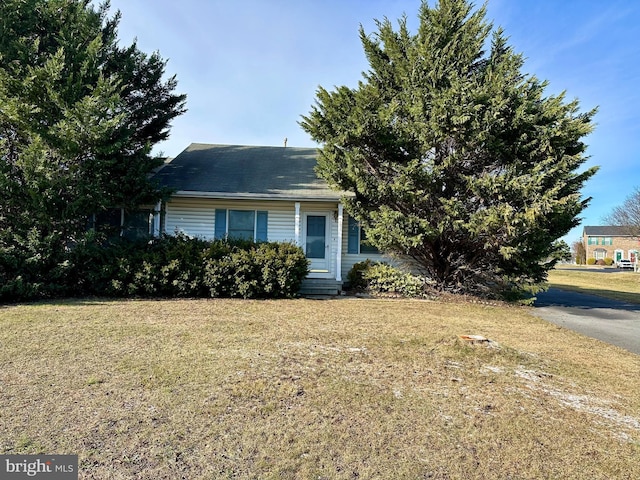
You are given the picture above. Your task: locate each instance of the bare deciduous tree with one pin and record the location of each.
(628, 214)
(579, 252)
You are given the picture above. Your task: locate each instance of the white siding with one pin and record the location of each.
(281, 223)
(196, 216)
(193, 217)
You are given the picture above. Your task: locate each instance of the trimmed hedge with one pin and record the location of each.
(266, 270)
(170, 266)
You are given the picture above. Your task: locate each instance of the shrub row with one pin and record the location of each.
(171, 266)
(607, 261)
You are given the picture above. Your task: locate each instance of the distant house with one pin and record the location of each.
(263, 194)
(608, 241)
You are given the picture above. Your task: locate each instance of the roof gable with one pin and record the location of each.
(246, 172)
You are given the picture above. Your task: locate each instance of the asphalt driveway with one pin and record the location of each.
(611, 321)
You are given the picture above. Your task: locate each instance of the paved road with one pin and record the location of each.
(597, 269)
(611, 321)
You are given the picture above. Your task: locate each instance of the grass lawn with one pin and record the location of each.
(619, 285)
(296, 389)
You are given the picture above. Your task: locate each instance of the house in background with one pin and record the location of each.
(609, 241)
(263, 194)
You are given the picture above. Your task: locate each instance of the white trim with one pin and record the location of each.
(255, 196)
(296, 223)
(600, 253)
(255, 220)
(156, 219)
(324, 270)
(339, 243)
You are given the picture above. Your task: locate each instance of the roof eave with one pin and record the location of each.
(282, 196)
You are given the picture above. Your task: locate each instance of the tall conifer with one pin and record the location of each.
(79, 115)
(456, 158)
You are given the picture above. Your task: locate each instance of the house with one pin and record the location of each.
(609, 241)
(263, 194)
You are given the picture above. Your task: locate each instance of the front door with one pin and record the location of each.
(316, 237)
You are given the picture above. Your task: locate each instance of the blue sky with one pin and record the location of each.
(250, 68)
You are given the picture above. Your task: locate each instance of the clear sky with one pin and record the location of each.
(250, 68)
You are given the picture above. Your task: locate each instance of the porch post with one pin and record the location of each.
(339, 249)
(296, 228)
(156, 219)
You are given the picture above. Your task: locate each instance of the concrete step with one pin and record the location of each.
(319, 286)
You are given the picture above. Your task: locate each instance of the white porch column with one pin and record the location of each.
(339, 249)
(156, 219)
(296, 228)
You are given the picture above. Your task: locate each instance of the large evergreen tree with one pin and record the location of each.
(455, 157)
(79, 115)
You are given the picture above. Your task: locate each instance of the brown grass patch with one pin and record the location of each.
(343, 389)
(619, 285)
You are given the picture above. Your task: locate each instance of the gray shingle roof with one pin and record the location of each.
(224, 171)
(606, 231)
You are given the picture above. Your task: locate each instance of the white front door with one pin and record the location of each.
(316, 236)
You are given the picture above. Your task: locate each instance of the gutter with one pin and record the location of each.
(258, 196)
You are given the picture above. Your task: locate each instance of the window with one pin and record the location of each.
(599, 253)
(130, 224)
(316, 236)
(607, 241)
(357, 239)
(137, 224)
(592, 241)
(243, 224)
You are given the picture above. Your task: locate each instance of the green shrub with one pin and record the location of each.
(591, 261)
(184, 267)
(170, 266)
(608, 261)
(265, 270)
(31, 265)
(283, 267)
(383, 278)
(97, 266)
(356, 274)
